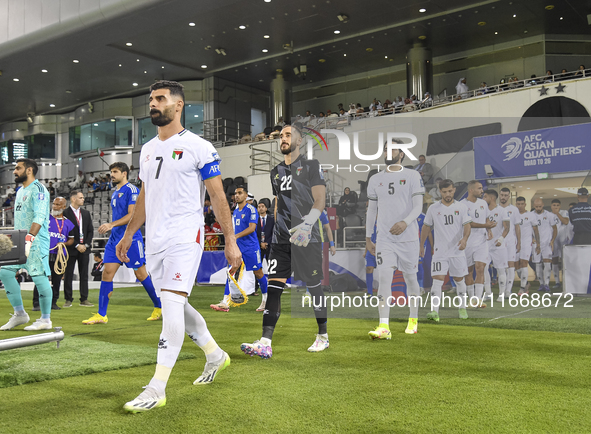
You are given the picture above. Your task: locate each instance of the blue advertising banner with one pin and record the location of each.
(552, 150)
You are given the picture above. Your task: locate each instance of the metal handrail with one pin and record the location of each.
(264, 156)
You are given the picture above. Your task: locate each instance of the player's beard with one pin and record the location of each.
(288, 150)
(21, 179)
(396, 160)
(56, 214)
(446, 200)
(162, 119)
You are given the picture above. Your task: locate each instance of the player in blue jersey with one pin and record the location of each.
(370, 264)
(31, 213)
(244, 219)
(122, 201)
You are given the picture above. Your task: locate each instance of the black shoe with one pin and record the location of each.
(36, 309)
(55, 307)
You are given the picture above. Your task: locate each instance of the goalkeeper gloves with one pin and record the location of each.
(302, 233)
(28, 243)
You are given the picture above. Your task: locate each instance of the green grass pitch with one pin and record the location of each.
(508, 375)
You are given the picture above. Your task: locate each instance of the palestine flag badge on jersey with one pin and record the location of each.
(402, 181)
(299, 170)
(177, 154)
(457, 213)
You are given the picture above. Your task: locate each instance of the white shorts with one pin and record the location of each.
(526, 251)
(402, 256)
(535, 257)
(498, 256)
(175, 268)
(546, 250)
(456, 265)
(511, 246)
(477, 253)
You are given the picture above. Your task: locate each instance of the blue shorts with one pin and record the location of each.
(252, 260)
(135, 254)
(370, 260)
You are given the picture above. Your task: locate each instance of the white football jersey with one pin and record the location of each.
(394, 192)
(499, 216)
(173, 172)
(478, 212)
(513, 213)
(527, 231)
(544, 222)
(448, 223)
(563, 229)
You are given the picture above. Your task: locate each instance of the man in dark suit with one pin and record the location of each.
(265, 227)
(80, 250)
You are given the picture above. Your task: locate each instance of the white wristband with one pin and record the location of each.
(312, 216)
(500, 239)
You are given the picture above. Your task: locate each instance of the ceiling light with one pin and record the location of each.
(549, 7)
(482, 23)
(204, 66)
(345, 55)
(267, 1)
(265, 50)
(51, 105)
(17, 129)
(138, 60)
(162, 66)
(134, 84)
(242, 27)
(496, 33)
(192, 24)
(129, 44)
(196, 116)
(336, 32)
(96, 125)
(266, 36)
(322, 60)
(561, 18)
(369, 50)
(220, 51)
(15, 79)
(422, 10)
(44, 70)
(385, 57)
(119, 65)
(514, 16)
(342, 17)
(68, 91)
(76, 61)
(112, 120)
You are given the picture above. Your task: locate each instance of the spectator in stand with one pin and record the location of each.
(373, 104)
(427, 100)
(408, 106)
(532, 81)
(347, 203)
(340, 107)
(321, 115)
(79, 181)
(413, 99)
(8, 202)
(51, 189)
(352, 110)
(399, 102)
(424, 168)
(462, 89)
(56, 184)
(434, 192)
(359, 109)
(373, 112)
(564, 75)
(97, 268)
(580, 72)
(208, 211)
(549, 78)
(342, 113)
(482, 90)
(330, 114)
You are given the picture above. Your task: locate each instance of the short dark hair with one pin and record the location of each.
(265, 201)
(520, 199)
(121, 166)
(175, 88)
(473, 183)
(243, 187)
(492, 193)
(98, 254)
(556, 201)
(74, 193)
(505, 190)
(446, 183)
(422, 156)
(572, 204)
(27, 162)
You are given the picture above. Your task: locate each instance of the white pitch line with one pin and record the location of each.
(517, 313)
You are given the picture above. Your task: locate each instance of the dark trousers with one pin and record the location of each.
(582, 238)
(82, 259)
(56, 280)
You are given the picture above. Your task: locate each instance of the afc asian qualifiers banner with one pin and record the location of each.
(555, 150)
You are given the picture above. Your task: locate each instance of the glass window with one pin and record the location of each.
(146, 130)
(74, 138)
(41, 146)
(110, 133)
(124, 132)
(4, 152)
(194, 118)
(19, 150)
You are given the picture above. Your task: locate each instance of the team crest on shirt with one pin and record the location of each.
(299, 171)
(456, 212)
(481, 207)
(177, 154)
(544, 218)
(402, 181)
(243, 215)
(177, 277)
(496, 215)
(24, 197)
(381, 184)
(120, 194)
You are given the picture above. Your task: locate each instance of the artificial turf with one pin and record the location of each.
(479, 375)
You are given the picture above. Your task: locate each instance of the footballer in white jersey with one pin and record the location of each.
(545, 232)
(513, 239)
(496, 246)
(563, 230)
(175, 168)
(526, 219)
(451, 223)
(396, 200)
(477, 255)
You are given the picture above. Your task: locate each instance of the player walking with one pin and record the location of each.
(298, 184)
(31, 212)
(513, 240)
(561, 239)
(451, 223)
(176, 167)
(122, 201)
(477, 255)
(545, 232)
(396, 200)
(496, 245)
(526, 219)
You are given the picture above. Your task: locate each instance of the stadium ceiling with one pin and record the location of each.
(186, 39)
